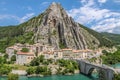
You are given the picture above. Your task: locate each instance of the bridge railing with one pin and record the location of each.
(98, 65)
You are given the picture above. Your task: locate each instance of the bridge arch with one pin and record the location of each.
(91, 71)
(87, 68)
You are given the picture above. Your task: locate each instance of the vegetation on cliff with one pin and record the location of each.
(116, 76)
(115, 38)
(104, 41)
(31, 32)
(111, 58)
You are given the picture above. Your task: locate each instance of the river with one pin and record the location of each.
(116, 66)
(55, 77)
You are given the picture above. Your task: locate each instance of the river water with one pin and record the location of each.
(117, 65)
(55, 77)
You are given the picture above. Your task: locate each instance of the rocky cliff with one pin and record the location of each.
(54, 27)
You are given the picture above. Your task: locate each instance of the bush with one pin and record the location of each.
(30, 70)
(111, 58)
(13, 58)
(13, 76)
(2, 60)
(62, 45)
(116, 76)
(43, 70)
(25, 50)
(4, 70)
(37, 61)
(5, 55)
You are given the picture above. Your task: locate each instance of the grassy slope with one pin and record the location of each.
(14, 34)
(17, 34)
(114, 37)
(104, 41)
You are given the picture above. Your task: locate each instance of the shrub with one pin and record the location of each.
(25, 50)
(13, 76)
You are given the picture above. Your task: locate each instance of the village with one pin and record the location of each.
(49, 52)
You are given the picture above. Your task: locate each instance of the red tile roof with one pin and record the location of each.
(66, 49)
(25, 53)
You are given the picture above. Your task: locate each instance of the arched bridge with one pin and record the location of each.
(87, 68)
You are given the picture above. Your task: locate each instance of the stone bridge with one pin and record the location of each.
(87, 68)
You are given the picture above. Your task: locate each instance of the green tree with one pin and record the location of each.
(41, 58)
(13, 58)
(44, 70)
(30, 70)
(5, 55)
(62, 45)
(111, 58)
(25, 50)
(116, 76)
(101, 75)
(4, 70)
(2, 60)
(36, 61)
(38, 70)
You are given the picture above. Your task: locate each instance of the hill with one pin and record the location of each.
(115, 38)
(55, 28)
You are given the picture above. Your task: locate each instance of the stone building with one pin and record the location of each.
(48, 55)
(67, 53)
(58, 54)
(24, 57)
(10, 51)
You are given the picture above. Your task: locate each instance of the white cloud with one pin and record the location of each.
(24, 18)
(8, 17)
(88, 3)
(102, 1)
(45, 3)
(102, 20)
(18, 19)
(110, 25)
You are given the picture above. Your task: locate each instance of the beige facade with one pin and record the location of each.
(10, 51)
(49, 52)
(67, 53)
(58, 54)
(24, 58)
(48, 55)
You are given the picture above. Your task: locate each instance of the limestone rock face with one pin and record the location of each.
(56, 28)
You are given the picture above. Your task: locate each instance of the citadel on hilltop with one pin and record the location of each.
(49, 52)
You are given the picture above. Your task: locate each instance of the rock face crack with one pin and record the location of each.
(56, 27)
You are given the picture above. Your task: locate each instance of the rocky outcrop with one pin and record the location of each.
(57, 29)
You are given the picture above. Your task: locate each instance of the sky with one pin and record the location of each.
(99, 15)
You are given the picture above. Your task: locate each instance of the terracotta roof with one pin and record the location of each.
(57, 50)
(13, 47)
(25, 53)
(85, 50)
(66, 49)
(76, 51)
(49, 52)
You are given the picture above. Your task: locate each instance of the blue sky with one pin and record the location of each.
(100, 15)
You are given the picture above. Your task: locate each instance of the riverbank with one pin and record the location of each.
(76, 72)
(19, 72)
(55, 77)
